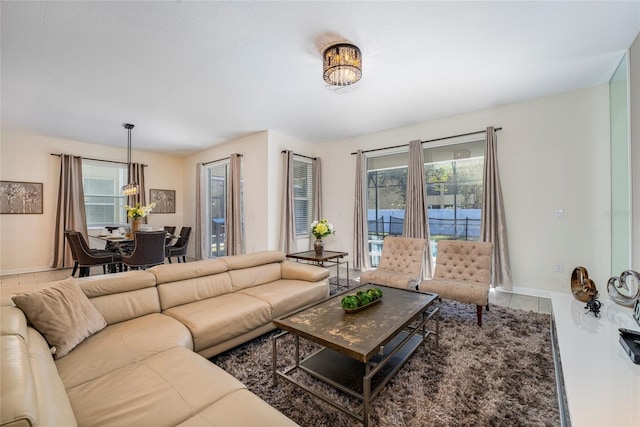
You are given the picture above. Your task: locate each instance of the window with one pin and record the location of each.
(303, 195)
(104, 205)
(453, 175)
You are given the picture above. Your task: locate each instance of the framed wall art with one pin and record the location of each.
(20, 197)
(165, 201)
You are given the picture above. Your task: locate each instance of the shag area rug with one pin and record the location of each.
(500, 374)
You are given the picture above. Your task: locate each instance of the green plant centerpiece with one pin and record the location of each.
(361, 299)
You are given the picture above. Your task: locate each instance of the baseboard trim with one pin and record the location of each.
(28, 270)
(541, 293)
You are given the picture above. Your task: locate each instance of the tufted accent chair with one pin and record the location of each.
(463, 273)
(400, 265)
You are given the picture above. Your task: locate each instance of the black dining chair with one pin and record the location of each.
(179, 248)
(170, 229)
(85, 257)
(148, 250)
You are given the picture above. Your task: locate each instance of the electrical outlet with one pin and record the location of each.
(558, 268)
(559, 213)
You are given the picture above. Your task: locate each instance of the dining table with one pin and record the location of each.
(123, 243)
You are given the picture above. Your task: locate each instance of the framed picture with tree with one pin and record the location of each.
(165, 201)
(18, 197)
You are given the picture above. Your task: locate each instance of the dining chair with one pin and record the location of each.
(179, 248)
(148, 250)
(85, 257)
(170, 229)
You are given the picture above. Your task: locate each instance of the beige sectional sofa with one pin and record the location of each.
(146, 366)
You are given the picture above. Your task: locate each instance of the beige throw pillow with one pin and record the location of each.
(62, 314)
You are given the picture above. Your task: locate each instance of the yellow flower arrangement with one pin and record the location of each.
(139, 211)
(322, 228)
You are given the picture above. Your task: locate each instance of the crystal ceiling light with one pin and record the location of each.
(342, 64)
(131, 189)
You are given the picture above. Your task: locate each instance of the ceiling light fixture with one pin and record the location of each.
(131, 189)
(342, 64)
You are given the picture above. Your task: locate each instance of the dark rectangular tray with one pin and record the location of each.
(631, 348)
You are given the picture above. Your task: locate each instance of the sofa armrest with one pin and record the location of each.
(19, 403)
(300, 271)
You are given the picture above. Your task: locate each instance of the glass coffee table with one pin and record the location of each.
(361, 351)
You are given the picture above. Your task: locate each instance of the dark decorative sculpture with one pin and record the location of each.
(630, 290)
(584, 290)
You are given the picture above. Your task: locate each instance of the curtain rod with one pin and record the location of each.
(100, 160)
(299, 155)
(219, 160)
(428, 140)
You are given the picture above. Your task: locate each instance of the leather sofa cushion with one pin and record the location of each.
(190, 290)
(167, 273)
(95, 286)
(237, 262)
(162, 390)
(13, 322)
(216, 320)
(254, 276)
(232, 410)
(302, 271)
(284, 296)
(62, 314)
(122, 344)
(119, 307)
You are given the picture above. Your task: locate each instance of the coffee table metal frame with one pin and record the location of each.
(376, 367)
(332, 258)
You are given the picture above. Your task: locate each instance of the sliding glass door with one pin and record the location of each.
(217, 176)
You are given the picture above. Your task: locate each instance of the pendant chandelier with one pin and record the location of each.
(342, 64)
(131, 189)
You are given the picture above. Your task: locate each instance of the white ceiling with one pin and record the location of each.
(191, 74)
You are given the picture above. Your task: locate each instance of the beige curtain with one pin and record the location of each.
(316, 213)
(361, 259)
(201, 226)
(416, 217)
(493, 226)
(136, 174)
(288, 224)
(233, 215)
(70, 213)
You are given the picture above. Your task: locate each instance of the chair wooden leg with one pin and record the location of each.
(479, 312)
(84, 271)
(487, 306)
(184, 258)
(169, 258)
(75, 268)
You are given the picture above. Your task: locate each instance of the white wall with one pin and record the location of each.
(256, 191)
(553, 153)
(26, 240)
(634, 84)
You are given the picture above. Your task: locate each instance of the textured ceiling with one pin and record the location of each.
(190, 75)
